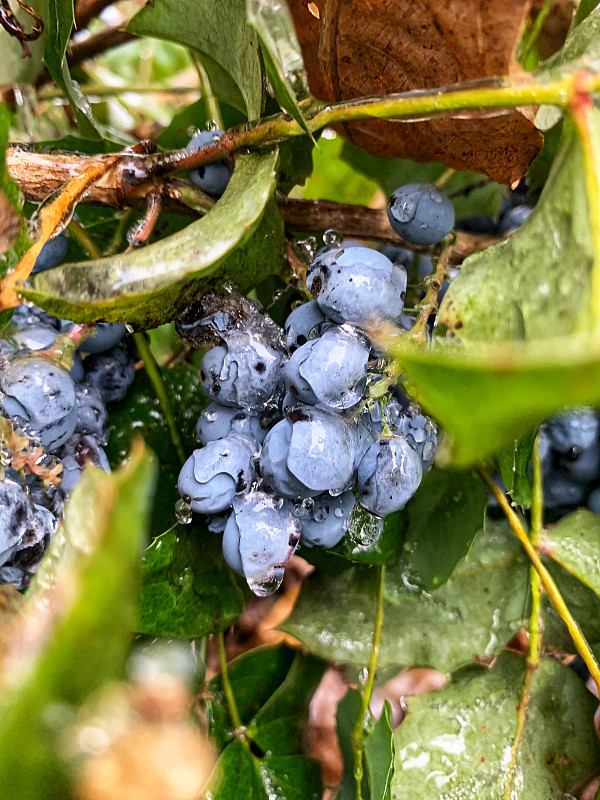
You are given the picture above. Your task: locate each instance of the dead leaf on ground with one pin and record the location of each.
(354, 48)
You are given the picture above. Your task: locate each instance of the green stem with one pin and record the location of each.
(213, 110)
(99, 90)
(358, 733)
(227, 687)
(551, 588)
(155, 376)
(84, 239)
(537, 523)
(535, 30)
(118, 240)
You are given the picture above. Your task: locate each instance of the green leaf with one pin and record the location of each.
(583, 603)
(361, 543)
(79, 613)
(457, 742)
(584, 9)
(476, 611)
(574, 543)
(279, 725)
(379, 756)
(140, 413)
(254, 677)
(242, 775)
(10, 258)
(177, 133)
(187, 590)
(487, 395)
(347, 711)
(443, 518)
(218, 31)
(281, 51)
(546, 277)
(145, 287)
(333, 179)
(513, 465)
(582, 43)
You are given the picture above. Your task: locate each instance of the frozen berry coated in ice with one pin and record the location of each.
(302, 324)
(273, 463)
(43, 395)
(214, 474)
(51, 254)
(420, 213)
(329, 371)
(111, 373)
(211, 178)
(92, 416)
(217, 421)
(244, 373)
(76, 454)
(326, 522)
(16, 516)
(388, 475)
(260, 537)
(359, 287)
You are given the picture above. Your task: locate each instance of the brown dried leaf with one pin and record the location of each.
(354, 48)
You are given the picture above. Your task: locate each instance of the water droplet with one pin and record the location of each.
(363, 676)
(338, 512)
(211, 125)
(332, 237)
(210, 416)
(183, 512)
(277, 295)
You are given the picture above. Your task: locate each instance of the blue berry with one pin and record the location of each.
(593, 501)
(245, 373)
(513, 218)
(51, 254)
(420, 213)
(577, 429)
(302, 324)
(260, 537)
(211, 178)
(273, 463)
(388, 475)
(32, 547)
(36, 337)
(561, 493)
(111, 373)
(92, 416)
(44, 396)
(76, 454)
(16, 517)
(28, 316)
(217, 421)
(326, 522)
(103, 337)
(330, 371)
(214, 474)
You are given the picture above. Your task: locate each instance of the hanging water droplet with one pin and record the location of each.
(183, 512)
(309, 246)
(210, 416)
(332, 237)
(211, 125)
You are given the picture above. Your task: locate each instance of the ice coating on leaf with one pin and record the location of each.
(322, 447)
(302, 324)
(15, 518)
(388, 475)
(214, 474)
(359, 286)
(420, 213)
(217, 421)
(46, 393)
(269, 535)
(273, 463)
(335, 368)
(246, 372)
(328, 520)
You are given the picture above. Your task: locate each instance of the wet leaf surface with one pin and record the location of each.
(574, 543)
(351, 52)
(514, 466)
(456, 742)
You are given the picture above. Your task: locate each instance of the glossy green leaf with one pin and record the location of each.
(254, 677)
(475, 612)
(457, 742)
(9, 189)
(243, 775)
(583, 41)
(334, 179)
(583, 603)
(140, 414)
(584, 9)
(187, 589)
(574, 543)
(487, 395)
(545, 278)
(279, 726)
(514, 466)
(443, 518)
(219, 32)
(145, 287)
(78, 614)
(281, 51)
(379, 756)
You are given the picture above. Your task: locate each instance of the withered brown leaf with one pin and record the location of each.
(354, 48)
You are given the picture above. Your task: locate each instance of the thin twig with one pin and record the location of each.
(227, 687)
(358, 732)
(551, 588)
(153, 372)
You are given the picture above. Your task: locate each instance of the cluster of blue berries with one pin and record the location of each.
(294, 439)
(53, 420)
